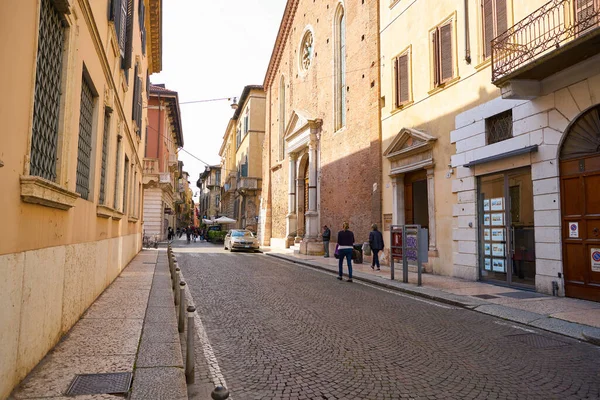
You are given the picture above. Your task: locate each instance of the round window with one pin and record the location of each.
(306, 51)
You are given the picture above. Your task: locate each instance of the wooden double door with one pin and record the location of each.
(580, 202)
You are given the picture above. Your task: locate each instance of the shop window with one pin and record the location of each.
(499, 127)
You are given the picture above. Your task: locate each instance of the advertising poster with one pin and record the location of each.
(573, 229)
(498, 249)
(486, 205)
(487, 264)
(595, 252)
(487, 249)
(498, 265)
(486, 234)
(397, 244)
(498, 219)
(498, 235)
(487, 219)
(497, 204)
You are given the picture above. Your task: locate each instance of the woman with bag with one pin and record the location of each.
(344, 249)
(376, 243)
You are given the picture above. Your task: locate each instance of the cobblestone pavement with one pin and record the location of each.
(281, 331)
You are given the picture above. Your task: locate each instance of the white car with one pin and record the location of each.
(240, 239)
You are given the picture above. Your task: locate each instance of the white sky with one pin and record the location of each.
(212, 49)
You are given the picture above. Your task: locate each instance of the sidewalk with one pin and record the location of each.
(579, 319)
(130, 328)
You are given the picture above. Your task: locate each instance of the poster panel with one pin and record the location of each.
(497, 204)
(486, 234)
(498, 249)
(498, 265)
(498, 219)
(498, 234)
(487, 219)
(487, 264)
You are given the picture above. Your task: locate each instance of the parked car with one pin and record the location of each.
(240, 239)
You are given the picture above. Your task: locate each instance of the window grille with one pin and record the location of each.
(46, 109)
(104, 156)
(499, 127)
(125, 181)
(84, 148)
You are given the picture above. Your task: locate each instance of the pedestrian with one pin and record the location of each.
(326, 238)
(376, 243)
(345, 249)
(188, 233)
(170, 234)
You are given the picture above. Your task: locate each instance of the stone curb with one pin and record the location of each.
(159, 371)
(539, 321)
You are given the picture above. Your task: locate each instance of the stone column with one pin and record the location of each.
(431, 208)
(312, 229)
(398, 216)
(291, 217)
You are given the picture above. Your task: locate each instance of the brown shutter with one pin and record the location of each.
(446, 52)
(122, 26)
(584, 9)
(396, 83)
(501, 17)
(488, 26)
(403, 79)
(436, 56)
(129, 43)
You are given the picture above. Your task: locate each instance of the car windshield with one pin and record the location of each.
(247, 234)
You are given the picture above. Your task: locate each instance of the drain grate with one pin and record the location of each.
(149, 262)
(485, 296)
(112, 383)
(537, 341)
(521, 295)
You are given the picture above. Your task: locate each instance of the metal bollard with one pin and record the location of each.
(175, 280)
(190, 358)
(220, 393)
(181, 324)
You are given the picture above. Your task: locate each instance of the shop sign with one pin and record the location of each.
(595, 259)
(573, 229)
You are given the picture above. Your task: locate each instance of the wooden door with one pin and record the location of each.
(580, 202)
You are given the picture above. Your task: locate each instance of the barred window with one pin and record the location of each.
(84, 147)
(137, 101)
(104, 156)
(46, 109)
(125, 182)
(499, 127)
(117, 169)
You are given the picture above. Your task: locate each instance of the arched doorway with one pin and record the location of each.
(580, 205)
(302, 195)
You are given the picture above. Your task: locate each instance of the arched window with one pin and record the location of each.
(340, 68)
(281, 118)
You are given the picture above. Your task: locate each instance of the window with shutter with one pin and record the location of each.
(129, 36)
(585, 14)
(121, 25)
(402, 83)
(84, 146)
(495, 22)
(103, 167)
(125, 182)
(443, 58)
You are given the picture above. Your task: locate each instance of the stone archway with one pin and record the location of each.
(580, 205)
(302, 195)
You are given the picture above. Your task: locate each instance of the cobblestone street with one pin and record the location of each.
(283, 331)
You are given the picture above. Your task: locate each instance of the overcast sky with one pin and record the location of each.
(212, 49)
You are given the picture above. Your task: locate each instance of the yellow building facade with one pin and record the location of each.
(71, 162)
(489, 124)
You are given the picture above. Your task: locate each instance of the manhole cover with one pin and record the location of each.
(521, 295)
(112, 383)
(485, 296)
(537, 341)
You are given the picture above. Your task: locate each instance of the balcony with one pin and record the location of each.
(151, 166)
(245, 183)
(173, 162)
(165, 177)
(230, 184)
(552, 38)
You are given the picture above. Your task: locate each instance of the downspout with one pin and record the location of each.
(467, 41)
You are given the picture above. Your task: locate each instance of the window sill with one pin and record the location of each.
(339, 131)
(393, 3)
(444, 85)
(117, 215)
(36, 190)
(402, 107)
(103, 211)
(132, 219)
(484, 64)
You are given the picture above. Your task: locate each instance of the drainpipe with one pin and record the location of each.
(467, 41)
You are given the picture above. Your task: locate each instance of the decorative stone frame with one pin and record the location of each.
(308, 31)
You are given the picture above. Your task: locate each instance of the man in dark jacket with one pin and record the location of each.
(326, 238)
(376, 243)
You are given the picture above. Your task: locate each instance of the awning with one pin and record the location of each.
(225, 220)
(517, 152)
(208, 221)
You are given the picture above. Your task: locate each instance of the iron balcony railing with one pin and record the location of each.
(542, 31)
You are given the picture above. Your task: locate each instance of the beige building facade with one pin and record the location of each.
(322, 155)
(495, 124)
(241, 159)
(71, 167)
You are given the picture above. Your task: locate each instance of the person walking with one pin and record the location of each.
(170, 234)
(376, 243)
(345, 249)
(188, 233)
(326, 238)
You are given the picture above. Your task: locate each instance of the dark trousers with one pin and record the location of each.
(347, 253)
(375, 261)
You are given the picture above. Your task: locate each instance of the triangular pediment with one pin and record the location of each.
(297, 122)
(407, 142)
